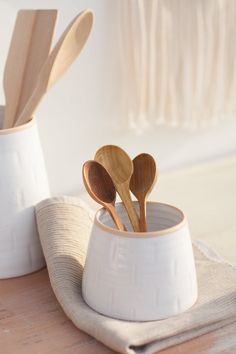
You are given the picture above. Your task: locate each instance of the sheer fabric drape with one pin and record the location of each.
(177, 61)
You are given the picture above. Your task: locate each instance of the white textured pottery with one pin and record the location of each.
(23, 183)
(140, 276)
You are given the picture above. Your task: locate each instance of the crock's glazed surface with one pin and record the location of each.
(141, 278)
(23, 183)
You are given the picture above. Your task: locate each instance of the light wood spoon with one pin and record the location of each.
(101, 188)
(142, 182)
(120, 167)
(29, 49)
(63, 55)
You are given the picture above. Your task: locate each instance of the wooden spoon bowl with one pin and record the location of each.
(117, 162)
(142, 182)
(100, 187)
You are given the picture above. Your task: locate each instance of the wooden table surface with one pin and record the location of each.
(32, 322)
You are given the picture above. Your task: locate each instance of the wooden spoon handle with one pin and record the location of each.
(124, 193)
(143, 215)
(116, 217)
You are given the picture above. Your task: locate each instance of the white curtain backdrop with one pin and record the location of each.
(177, 61)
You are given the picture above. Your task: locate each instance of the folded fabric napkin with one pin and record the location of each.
(64, 226)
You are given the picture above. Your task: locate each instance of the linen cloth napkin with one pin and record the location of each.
(64, 225)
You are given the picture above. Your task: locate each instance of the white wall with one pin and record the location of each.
(81, 112)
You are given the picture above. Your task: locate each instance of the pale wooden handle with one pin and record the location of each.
(62, 56)
(14, 69)
(38, 52)
(30, 107)
(29, 50)
(126, 198)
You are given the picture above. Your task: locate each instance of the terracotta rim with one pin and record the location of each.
(27, 125)
(132, 234)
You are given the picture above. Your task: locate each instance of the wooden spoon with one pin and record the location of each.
(120, 167)
(29, 49)
(63, 55)
(101, 188)
(142, 182)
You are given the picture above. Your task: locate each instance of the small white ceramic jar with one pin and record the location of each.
(140, 276)
(23, 183)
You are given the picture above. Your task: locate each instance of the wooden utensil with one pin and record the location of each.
(101, 188)
(63, 55)
(142, 182)
(29, 49)
(120, 167)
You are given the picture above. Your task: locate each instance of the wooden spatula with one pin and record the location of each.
(29, 49)
(60, 59)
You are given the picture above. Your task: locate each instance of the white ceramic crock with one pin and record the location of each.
(140, 276)
(23, 183)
